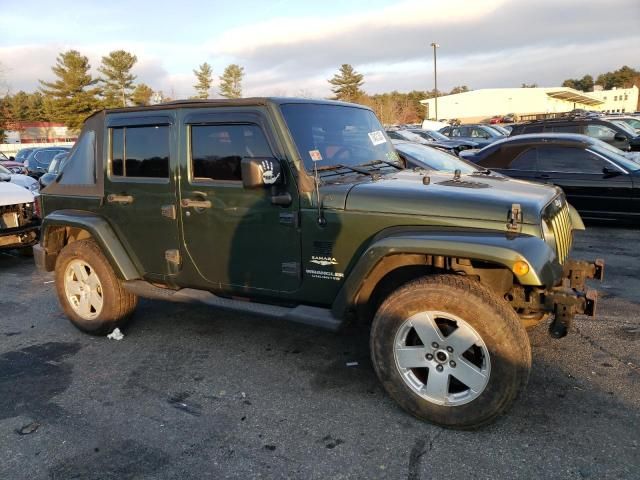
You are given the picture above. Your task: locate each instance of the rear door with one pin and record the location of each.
(516, 161)
(237, 239)
(140, 188)
(581, 175)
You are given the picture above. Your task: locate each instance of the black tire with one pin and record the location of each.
(117, 305)
(487, 315)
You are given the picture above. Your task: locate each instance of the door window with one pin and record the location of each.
(527, 160)
(479, 133)
(566, 129)
(140, 152)
(601, 132)
(568, 159)
(217, 150)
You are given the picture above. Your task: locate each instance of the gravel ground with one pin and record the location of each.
(193, 392)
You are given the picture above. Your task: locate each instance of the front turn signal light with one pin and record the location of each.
(520, 268)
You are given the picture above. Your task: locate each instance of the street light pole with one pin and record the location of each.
(435, 75)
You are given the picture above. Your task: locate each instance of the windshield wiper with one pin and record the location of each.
(373, 163)
(486, 171)
(338, 166)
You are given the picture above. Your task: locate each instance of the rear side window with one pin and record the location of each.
(527, 160)
(565, 128)
(217, 150)
(568, 159)
(79, 168)
(140, 152)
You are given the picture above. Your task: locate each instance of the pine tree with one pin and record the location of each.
(118, 79)
(204, 75)
(346, 84)
(35, 108)
(231, 81)
(73, 95)
(141, 95)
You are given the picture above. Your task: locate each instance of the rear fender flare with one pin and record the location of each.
(100, 231)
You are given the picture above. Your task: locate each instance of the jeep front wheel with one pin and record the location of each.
(450, 351)
(89, 291)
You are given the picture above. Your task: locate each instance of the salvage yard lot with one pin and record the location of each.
(194, 392)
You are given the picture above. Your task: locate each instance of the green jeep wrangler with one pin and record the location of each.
(302, 210)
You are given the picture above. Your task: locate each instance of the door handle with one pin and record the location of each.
(197, 204)
(122, 199)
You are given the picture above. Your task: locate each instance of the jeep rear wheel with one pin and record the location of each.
(450, 351)
(89, 291)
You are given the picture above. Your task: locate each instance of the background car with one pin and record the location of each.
(600, 181)
(624, 138)
(10, 164)
(23, 153)
(54, 169)
(37, 163)
(416, 155)
(481, 134)
(19, 179)
(441, 140)
(407, 135)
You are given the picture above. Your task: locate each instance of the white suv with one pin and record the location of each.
(19, 223)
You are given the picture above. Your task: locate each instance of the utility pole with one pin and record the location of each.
(435, 75)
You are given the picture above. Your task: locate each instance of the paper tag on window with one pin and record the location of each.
(315, 155)
(377, 137)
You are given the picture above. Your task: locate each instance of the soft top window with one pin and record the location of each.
(80, 167)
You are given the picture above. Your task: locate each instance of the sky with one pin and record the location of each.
(291, 48)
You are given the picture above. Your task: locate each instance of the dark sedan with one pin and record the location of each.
(481, 134)
(600, 181)
(37, 163)
(54, 169)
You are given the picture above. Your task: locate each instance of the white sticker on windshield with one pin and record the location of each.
(315, 155)
(377, 137)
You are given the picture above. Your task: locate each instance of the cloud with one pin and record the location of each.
(490, 43)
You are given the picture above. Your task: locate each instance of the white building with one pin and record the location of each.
(477, 105)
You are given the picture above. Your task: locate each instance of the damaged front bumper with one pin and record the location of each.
(569, 298)
(573, 297)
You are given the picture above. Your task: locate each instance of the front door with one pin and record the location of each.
(237, 239)
(138, 185)
(582, 176)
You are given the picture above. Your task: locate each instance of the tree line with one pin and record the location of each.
(75, 93)
(624, 77)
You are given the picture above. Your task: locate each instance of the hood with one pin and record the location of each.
(473, 196)
(469, 153)
(11, 194)
(25, 181)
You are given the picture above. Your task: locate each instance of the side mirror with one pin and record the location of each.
(619, 137)
(260, 172)
(610, 172)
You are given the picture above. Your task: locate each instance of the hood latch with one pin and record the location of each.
(514, 220)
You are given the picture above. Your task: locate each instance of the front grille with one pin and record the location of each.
(559, 221)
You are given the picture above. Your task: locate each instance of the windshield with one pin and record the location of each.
(438, 136)
(626, 127)
(613, 153)
(435, 159)
(336, 135)
(495, 129)
(3, 157)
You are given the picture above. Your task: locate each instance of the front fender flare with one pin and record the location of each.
(100, 231)
(494, 247)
